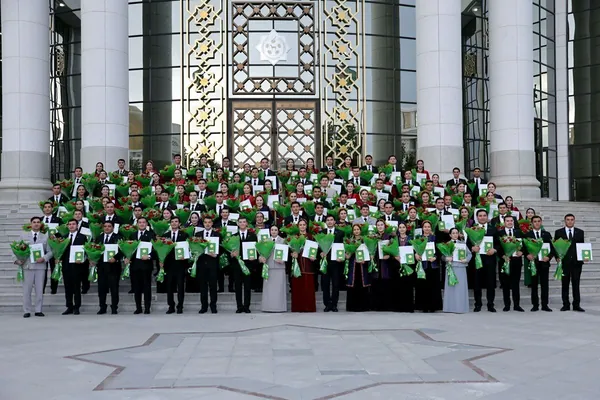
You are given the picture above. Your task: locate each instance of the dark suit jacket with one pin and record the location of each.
(80, 240)
(475, 192)
(307, 181)
(224, 207)
(290, 219)
(137, 264)
(170, 261)
(450, 182)
(440, 236)
(198, 207)
(518, 234)
(114, 239)
(261, 182)
(570, 259)
(374, 169)
(269, 172)
(53, 219)
(205, 260)
(496, 220)
(62, 199)
(138, 204)
(115, 219)
(219, 223)
(250, 237)
(547, 238)
(325, 169)
(314, 218)
(489, 260)
(412, 182)
(361, 181)
(157, 205)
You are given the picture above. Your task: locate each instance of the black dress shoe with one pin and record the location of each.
(26, 315)
(519, 309)
(203, 311)
(506, 308)
(39, 314)
(102, 311)
(170, 311)
(327, 309)
(565, 308)
(114, 312)
(213, 310)
(239, 311)
(578, 309)
(76, 311)
(477, 309)
(247, 310)
(53, 292)
(220, 291)
(230, 290)
(546, 308)
(491, 309)
(130, 291)
(180, 311)
(84, 292)
(68, 311)
(146, 312)
(138, 311)
(534, 308)
(334, 309)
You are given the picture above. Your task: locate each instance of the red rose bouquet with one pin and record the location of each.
(58, 247)
(162, 247)
(94, 253)
(197, 248)
(128, 231)
(510, 245)
(128, 248)
(21, 251)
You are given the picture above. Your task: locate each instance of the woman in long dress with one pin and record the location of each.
(405, 294)
(359, 279)
(274, 296)
(429, 292)
(381, 290)
(456, 298)
(303, 287)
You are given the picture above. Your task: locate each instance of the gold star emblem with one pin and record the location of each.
(343, 149)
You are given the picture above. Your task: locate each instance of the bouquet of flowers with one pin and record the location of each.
(265, 248)
(21, 251)
(343, 173)
(419, 245)
(66, 217)
(96, 230)
(447, 250)
(148, 201)
(124, 200)
(94, 253)
(66, 186)
(95, 205)
(197, 248)
(96, 216)
(183, 214)
(122, 189)
(128, 248)
(128, 231)
(162, 247)
(371, 243)
(283, 210)
(458, 199)
(309, 208)
(70, 206)
(90, 183)
(233, 204)
(510, 245)
(461, 224)
(347, 229)
(296, 244)
(387, 168)
(291, 229)
(168, 171)
(366, 175)
(231, 244)
(325, 241)
(350, 246)
(533, 246)
(146, 191)
(431, 217)
(160, 227)
(250, 214)
(190, 230)
(524, 225)
(561, 247)
(211, 203)
(115, 178)
(476, 235)
(125, 212)
(471, 186)
(152, 215)
(58, 247)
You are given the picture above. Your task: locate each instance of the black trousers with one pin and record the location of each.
(207, 280)
(540, 277)
(571, 273)
(175, 281)
(256, 277)
(109, 276)
(72, 281)
(84, 271)
(221, 279)
(510, 282)
(141, 280)
(330, 284)
(242, 283)
(53, 283)
(485, 277)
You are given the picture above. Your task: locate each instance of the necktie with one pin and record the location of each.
(109, 218)
(71, 238)
(56, 199)
(570, 235)
(365, 219)
(106, 239)
(331, 232)
(510, 232)
(34, 237)
(273, 239)
(139, 235)
(389, 218)
(47, 220)
(296, 220)
(243, 236)
(456, 181)
(356, 181)
(218, 210)
(255, 182)
(537, 235)
(369, 167)
(174, 236)
(201, 195)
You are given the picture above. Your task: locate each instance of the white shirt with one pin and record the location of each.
(330, 231)
(569, 231)
(537, 234)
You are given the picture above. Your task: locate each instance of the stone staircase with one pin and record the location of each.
(12, 217)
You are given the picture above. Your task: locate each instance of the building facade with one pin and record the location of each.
(453, 82)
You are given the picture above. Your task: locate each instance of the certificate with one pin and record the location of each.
(85, 231)
(337, 252)
(266, 214)
(407, 255)
(206, 173)
(421, 178)
(234, 216)
(111, 189)
(263, 234)
(232, 229)
(52, 228)
(144, 249)
(213, 245)
(182, 251)
(486, 244)
(544, 252)
(246, 204)
(382, 195)
(584, 252)
(415, 190)
(110, 251)
(380, 246)
(311, 249)
(362, 254)
(351, 214)
(272, 199)
(482, 188)
(249, 251)
(373, 210)
(447, 222)
(255, 189)
(76, 254)
(460, 252)
(36, 251)
(280, 253)
(273, 180)
(60, 211)
(439, 192)
(430, 250)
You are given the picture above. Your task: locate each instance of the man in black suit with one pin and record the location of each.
(220, 205)
(175, 269)
(242, 281)
(137, 214)
(440, 210)
(109, 273)
(207, 270)
(388, 212)
(542, 266)
(222, 223)
(393, 161)
(264, 166)
(456, 179)
(319, 213)
(163, 203)
(502, 214)
(295, 216)
(57, 196)
(356, 179)
(369, 165)
(49, 218)
(72, 272)
(485, 276)
(302, 177)
(330, 281)
(110, 216)
(571, 267)
(82, 226)
(510, 282)
(408, 179)
(328, 165)
(135, 199)
(195, 204)
(477, 180)
(141, 269)
(202, 192)
(121, 168)
(255, 179)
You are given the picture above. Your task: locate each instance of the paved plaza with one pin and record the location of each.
(302, 356)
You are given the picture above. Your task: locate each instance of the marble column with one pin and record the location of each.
(25, 101)
(512, 155)
(104, 83)
(439, 86)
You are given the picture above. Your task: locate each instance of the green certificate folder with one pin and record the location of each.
(312, 253)
(462, 254)
(488, 246)
(144, 252)
(586, 255)
(339, 255)
(429, 253)
(279, 255)
(38, 254)
(360, 256)
(111, 254)
(179, 254)
(79, 256)
(545, 252)
(442, 225)
(251, 253)
(410, 258)
(212, 248)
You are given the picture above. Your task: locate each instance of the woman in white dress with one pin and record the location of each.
(274, 295)
(456, 298)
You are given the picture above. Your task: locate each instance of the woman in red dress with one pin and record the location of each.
(421, 169)
(510, 203)
(364, 199)
(178, 178)
(247, 194)
(290, 165)
(426, 201)
(300, 191)
(350, 190)
(99, 168)
(436, 181)
(198, 176)
(149, 171)
(181, 196)
(310, 166)
(303, 287)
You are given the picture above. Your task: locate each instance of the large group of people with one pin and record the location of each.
(340, 227)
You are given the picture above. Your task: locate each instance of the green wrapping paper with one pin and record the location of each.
(162, 247)
(20, 277)
(94, 253)
(350, 247)
(561, 247)
(21, 251)
(296, 243)
(325, 241)
(128, 248)
(223, 261)
(447, 250)
(533, 246)
(96, 230)
(160, 227)
(510, 245)
(476, 235)
(265, 249)
(371, 243)
(58, 247)
(197, 248)
(419, 244)
(231, 244)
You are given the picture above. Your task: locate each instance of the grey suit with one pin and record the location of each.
(34, 273)
(361, 220)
